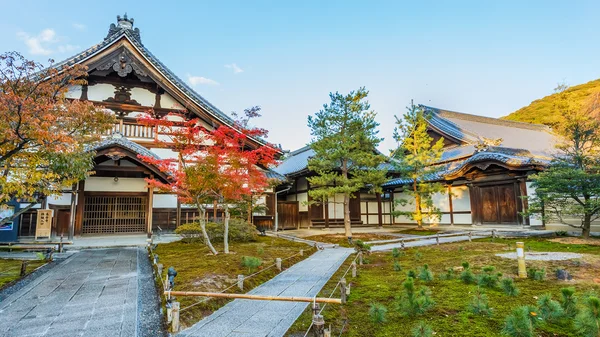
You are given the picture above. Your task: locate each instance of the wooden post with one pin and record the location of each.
(23, 268)
(343, 290)
(215, 206)
(450, 205)
(301, 252)
(521, 260)
(379, 211)
(178, 214)
(240, 282)
(353, 269)
(72, 213)
(360, 258)
(60, 245)
(437, 239)
(470, 236)
(167, 282)
(402, 243)
(278, 263)
(327, 332)
(493, 234)
(326, 210)
(150, 204)
(175, 317)
(159, 268)
(318, 321)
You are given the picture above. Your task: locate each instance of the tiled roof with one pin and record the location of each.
(133, 36)
(120, 140)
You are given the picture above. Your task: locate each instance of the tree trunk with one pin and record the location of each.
(226, 230)
(202, 211)
(418, 214)
(347, 224)
(587, 223)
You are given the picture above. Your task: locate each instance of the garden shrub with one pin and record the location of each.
(568, 302)
(425, 274)
(465, 265)
(395, 253)
(411, 274)
(467, 276)
(508, 286)
(377, 313)
(421, 329)
(536, 274)
(414, 301)
(251, 263)
(418, 256)
(448, 275)
(549, 310)
(360, 246)
(488, 278)
(479, 304)
(587, 322)
(521, 322)
(397, 266)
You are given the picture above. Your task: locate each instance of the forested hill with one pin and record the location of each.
(543, 111)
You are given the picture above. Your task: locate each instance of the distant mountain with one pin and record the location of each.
(543, 111)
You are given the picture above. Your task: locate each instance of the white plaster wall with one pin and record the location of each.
(461, 200)
(143, 96)
(74, 92)
(168, 102)
(164, 201)
(336, 207)
(165, 153)
(61, 199)
(406, 208)
(534, 220)
(463, 219)
(100, 91)
(107, 184)
(363, 207)
(441, 201)
(302, 200)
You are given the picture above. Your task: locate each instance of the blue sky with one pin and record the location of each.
(482, 57)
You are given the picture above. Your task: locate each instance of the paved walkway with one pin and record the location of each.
(273, 318)
(92, 293)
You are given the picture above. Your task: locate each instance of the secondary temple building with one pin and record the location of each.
(128, 80)
(486, 162)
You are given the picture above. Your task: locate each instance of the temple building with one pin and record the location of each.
(484, 167)
(128, 80)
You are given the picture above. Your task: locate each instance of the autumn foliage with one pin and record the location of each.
(219, 165)
(44, 134)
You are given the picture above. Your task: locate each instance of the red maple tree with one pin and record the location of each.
(217, 165)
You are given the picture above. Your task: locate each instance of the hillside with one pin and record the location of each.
(542, 111)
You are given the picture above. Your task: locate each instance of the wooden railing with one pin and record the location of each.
(134, 130)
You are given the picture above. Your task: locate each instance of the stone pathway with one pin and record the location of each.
(92, 293)
(273, 318)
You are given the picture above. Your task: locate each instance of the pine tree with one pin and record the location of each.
(414, 157)
(346, 159)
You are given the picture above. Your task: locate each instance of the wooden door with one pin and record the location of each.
(63, 217)
(287, 213)
(499, 204)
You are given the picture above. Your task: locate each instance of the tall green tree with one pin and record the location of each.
(346, 159)
(568, 191)
(414, 158)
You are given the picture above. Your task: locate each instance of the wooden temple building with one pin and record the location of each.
(486, 162)
(125, 78)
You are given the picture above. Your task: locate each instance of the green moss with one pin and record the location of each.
(342, 240)
(378, 283)
(10, 270)
(198, 270)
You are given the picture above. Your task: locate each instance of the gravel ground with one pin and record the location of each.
(541, 256)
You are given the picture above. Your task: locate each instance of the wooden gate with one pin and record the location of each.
(108, 214)
(287, 212)
(499, 204)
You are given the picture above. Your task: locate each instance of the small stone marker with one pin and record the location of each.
(493, 234)
(23, 268)
(402, 243)
(563, 274)
(353, 269)
(175, 317)
(301, 252)
(159, 268)
(278, 263)
(437, 239)
(470, 236)
(360, 258)
(521, 260)
(241, 282)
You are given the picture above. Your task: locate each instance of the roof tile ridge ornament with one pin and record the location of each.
(124, 25)
(483, 143)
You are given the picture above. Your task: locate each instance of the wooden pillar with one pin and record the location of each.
(150, 204)
(379, 210)
(450, 205)
(72, 213)
(524, 202)
(215, 205)
(178, 214)
(474, 196)
(79, 208)
(326, 210)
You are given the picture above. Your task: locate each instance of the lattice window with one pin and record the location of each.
(114, 214)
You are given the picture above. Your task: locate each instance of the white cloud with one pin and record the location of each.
(39, 44)
(45, 43)
(235, 68)
(79, 26)
(195, 80)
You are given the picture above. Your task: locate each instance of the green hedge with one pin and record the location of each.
(239, 231)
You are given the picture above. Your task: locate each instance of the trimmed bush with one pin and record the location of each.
(536, 274)
(521, 322)
(377, 312)
(397, 266)
(425, 274)
(395, 253)
(508, 286)
(411, 274)
(587, 322)
(450, 274)
(479, 304)
(488, 278)
(360, 246)
(549, 310)
(414, 301)
(467, 276)
(568, 302)
(421, 329)
(251, 263)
